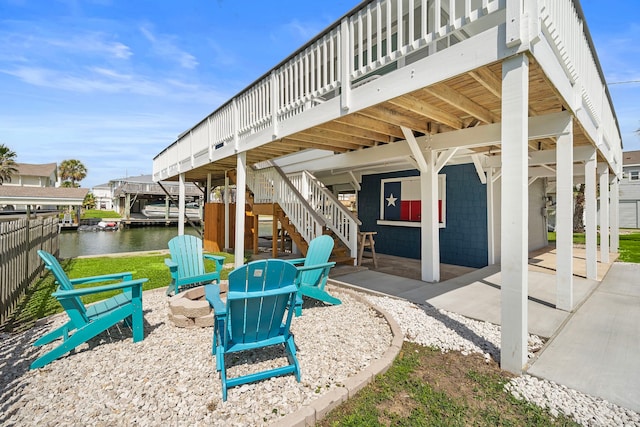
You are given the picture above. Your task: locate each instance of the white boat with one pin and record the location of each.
(160, 211)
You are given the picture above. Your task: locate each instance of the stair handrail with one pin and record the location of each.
(271, 185)
(338, 218)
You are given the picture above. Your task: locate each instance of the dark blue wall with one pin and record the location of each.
(462, 242)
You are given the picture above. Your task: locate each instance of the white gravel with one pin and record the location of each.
(170, 378)
(449, 331)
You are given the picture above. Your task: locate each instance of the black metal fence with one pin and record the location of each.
(20, 265)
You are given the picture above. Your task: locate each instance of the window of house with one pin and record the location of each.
(634, 175)
(400, 202)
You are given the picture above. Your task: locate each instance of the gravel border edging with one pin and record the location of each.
(310, 414)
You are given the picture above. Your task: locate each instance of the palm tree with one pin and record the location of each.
(7, 164)
(71, 172)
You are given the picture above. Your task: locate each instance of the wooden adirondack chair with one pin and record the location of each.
(314, 272)
(87, 322)
(187, 264)
(255, 316)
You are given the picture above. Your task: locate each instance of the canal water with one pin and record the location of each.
(77, 243)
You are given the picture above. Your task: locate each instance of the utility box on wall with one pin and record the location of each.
(214, 227)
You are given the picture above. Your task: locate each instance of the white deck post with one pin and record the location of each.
(226, 212)
(430, 226)
(564, 219)
(591, 226)
(429, 222)
(491, 246)
(603, 173)
(181, 203)
(615, 215)
(241, 183)
(515, 218)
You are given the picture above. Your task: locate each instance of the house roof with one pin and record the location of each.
(14, 195)
(631, 158)
(46, 169)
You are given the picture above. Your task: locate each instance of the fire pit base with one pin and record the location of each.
(190, 309)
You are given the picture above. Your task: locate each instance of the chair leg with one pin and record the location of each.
(61, 332)
(290, 347)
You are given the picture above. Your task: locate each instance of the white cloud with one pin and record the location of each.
(165, 47)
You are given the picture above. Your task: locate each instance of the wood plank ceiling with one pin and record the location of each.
(469, 100)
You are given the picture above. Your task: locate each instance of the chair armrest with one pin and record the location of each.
(325, 265)
(219, 260)
(98, 289)
(212, 294)
(296, 261)
(170, 263)
(125, 276)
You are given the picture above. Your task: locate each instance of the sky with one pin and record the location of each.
(114, 82)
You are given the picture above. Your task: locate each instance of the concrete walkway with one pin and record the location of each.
(477, 294)
(595, 349)
(598, 351)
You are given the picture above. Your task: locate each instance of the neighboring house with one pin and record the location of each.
(452, 126)
(131, 195)
(630, 190)
(34, 175)
(103, 195)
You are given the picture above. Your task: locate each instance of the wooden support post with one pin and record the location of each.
(591, 226)
(241, 184)
(564, 219)
(515, 200)
(181, 204)
(603, 172)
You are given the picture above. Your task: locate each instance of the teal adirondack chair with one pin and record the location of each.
(87, 322)
(187, 264)
(314, 272)
(255, 316)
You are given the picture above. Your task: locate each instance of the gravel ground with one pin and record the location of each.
(449, 331)
(170, 377)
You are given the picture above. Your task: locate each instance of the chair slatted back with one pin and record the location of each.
(318, 253)
(186, 251)
(72, 305)
(259, 293)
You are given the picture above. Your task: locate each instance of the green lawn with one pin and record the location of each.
(629, 245)
(38, 302)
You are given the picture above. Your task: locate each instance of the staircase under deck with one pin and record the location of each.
(287, 231)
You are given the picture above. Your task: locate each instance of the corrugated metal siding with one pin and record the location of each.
(629, 214)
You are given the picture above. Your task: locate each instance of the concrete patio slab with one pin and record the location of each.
(597, 350)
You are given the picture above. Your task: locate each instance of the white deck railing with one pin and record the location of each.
(309, 205)
(381, 36)
(565, 30)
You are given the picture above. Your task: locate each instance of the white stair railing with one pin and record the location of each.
(270, 185)
(307, 202)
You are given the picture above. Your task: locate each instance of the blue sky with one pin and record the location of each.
(113, 82)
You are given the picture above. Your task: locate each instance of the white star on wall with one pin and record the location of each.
(391, 201)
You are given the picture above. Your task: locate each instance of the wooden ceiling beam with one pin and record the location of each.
(297, 141)
(427, 110)
(396, 118)
(364, 122)
(337, 136)
(351, 130)
(490, 81)
(461, 102)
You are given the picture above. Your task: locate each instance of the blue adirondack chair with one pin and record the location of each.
(187, 264)
(255, 316)
(87, 322)
(314, 272)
